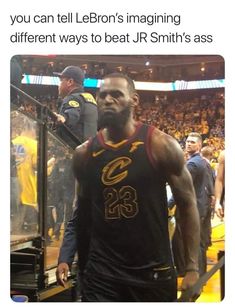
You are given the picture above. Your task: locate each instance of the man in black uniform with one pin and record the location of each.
(122, 206)
(78, 110)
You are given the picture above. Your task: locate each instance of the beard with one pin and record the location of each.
(110, 119)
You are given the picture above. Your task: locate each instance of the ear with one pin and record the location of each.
(71, 82)
(135, 100)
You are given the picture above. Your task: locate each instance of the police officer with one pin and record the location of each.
(78, 111)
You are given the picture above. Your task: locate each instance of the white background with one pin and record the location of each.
(201, 16)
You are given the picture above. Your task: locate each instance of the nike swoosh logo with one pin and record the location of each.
(95, 154)
(135, 145)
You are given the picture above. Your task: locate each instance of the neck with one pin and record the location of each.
(115, 134)
(75, 89)
(206, 159)
(191, 154)
(29, 134)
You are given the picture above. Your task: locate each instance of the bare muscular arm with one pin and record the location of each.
(79, 160)
(169, 156)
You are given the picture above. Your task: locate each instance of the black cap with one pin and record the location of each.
(74, 72)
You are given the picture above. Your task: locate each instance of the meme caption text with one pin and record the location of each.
(147, 29)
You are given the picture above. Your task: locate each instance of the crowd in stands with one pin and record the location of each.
(177, 117)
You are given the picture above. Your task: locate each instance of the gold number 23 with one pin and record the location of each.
(120, 203)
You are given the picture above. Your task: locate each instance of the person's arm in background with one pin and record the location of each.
(68, 249)
(70, 115)
(76, 237)
(219, 185)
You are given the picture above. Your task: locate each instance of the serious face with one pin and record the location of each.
(115, 102)
(64, 87)
(193, 145)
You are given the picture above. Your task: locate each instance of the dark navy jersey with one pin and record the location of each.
(129, 239)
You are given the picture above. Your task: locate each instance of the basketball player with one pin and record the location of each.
(122, 174)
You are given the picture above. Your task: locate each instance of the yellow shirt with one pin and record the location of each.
(26, 160)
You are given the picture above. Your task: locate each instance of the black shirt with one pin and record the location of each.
(129, 237)
(80, 111)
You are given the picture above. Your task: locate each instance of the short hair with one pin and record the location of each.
(207, 152)
(196, 135)
(130, 82)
